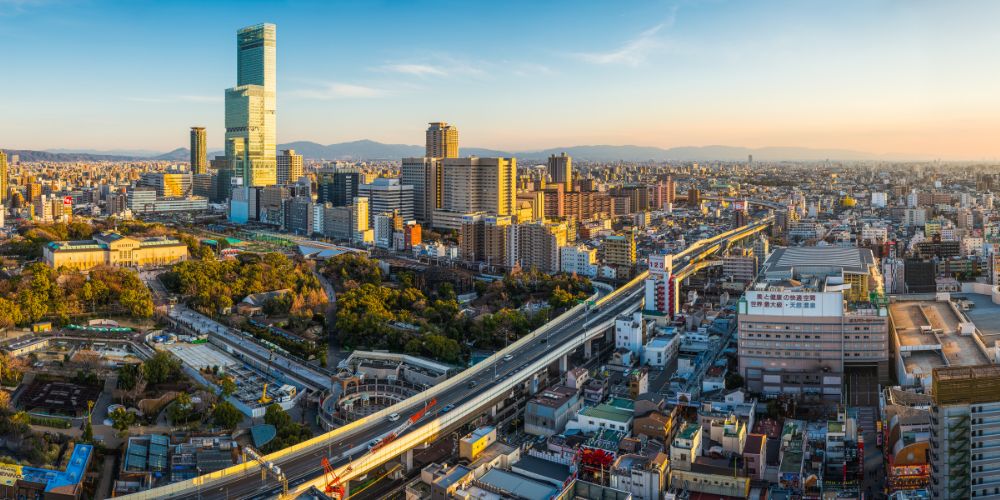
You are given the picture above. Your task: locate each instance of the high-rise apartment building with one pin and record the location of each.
(442, 141)
(4, 176)
(561, 170)
(424, 174)
(965, 420)
(485, 238)
(289, 166)
(250, 107)
(536, 245)
(694, 197)
(475, 184)
(619, 251)
(360, 221)
(199, 153)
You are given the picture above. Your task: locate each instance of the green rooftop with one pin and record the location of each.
(688, 431)
(622, 403)
(605, 411)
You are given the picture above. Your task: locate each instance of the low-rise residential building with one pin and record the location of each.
(630, 332)
(685, 446)
(603, 416)
(755, 456)
(548, 412)
(642, 476)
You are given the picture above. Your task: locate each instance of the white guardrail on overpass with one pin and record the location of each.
(208, 480)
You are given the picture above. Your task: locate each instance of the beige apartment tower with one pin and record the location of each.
(424, 174)
(289, 166)
(4, 176)
(536, 245)
(475, 184)
(442, 140)
(199, 155)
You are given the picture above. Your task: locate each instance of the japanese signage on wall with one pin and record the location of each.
(660, 264)
(9, 474)
(790, 303)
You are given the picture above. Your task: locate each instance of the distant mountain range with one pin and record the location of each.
(371, 150)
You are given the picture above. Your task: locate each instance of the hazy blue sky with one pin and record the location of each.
(880, 76)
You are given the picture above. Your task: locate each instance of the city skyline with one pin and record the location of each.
(883, 78)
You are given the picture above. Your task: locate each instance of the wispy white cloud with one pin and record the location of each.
(175, 99)
(440, 65)
(199, 98)
(415, 69)
(531, 69)
(636, 50)
(633, 53)
(12, 7)
(340, 90)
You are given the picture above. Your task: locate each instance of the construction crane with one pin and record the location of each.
(406, 425)
(263, 397)
(333, 484)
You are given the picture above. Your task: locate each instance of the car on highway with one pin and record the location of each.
(472, 383)
(394, 417)
(448, 408)
(372, 443)
(508, 357)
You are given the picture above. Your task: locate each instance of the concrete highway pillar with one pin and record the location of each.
(493, 412)
(347, 489)
(408, 460)
(563, 364)
(588, 349)
(534, 384)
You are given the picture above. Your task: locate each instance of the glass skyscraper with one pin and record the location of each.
(250, 107)
(199, 155)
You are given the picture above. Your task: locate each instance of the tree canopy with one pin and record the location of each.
(351, 269)
(161, 367)
(288, 432)
(226, 415)
(42, 292)
(212, 285)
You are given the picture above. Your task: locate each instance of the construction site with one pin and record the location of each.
(255, 389)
